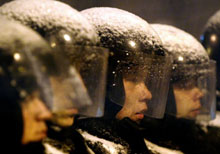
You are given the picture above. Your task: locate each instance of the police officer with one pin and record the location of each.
(191, 74)
(137, 69)
(29, 72)
(69, 32)
(211, 42)
(191, 95)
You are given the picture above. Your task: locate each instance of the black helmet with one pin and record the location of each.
(192, 73)
(135, 50)
(67, 30)
(211, 41)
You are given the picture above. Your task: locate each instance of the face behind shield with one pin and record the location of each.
(89, 64)
(32, 77)
(70, 33)
(58, 85)
(44, 87)
(135, 73)
(192, 84)
(41, 72)
(139, 86)
(194, 92)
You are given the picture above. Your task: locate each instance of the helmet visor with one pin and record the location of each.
(41, 71)
(91, 63)
(194, 91)
(141, 86)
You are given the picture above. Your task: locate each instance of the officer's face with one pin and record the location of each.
(34, 115)
(188, 101)
(136, 97)
(64, 114)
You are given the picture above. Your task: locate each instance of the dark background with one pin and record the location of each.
(189, 15)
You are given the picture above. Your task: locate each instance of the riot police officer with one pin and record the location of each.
(28, 76)
(68, 32)
(137, 70)
(210, 40)
(191, 95)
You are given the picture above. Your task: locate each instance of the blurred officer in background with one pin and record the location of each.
(69, 33)
(211, 42)
(29, 70)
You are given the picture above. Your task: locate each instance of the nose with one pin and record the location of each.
(146, 94)
(198, 93)
(44, 113)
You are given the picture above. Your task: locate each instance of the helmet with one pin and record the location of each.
(28, 64)
(136, 56)
(50, 16)
(192, 78)
(67, 31)
(211, 42)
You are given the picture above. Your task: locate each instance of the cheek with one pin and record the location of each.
(184, 98)
(29, 122)
(182, 102)
(129, 99)
(190, 100)
(30, 117)
(28, 127)
(133, 94)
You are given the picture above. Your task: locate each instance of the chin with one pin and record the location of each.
(40, 136)
(193, 116)
(135, 119)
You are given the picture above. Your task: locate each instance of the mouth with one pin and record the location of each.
(43, 134)
(145, 100)
(196, 111)
(140, 115)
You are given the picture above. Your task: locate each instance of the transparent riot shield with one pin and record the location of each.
(90, 62)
